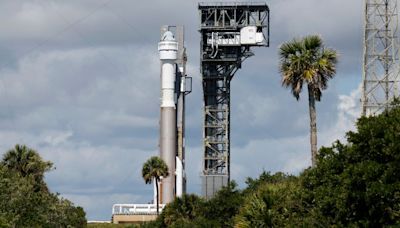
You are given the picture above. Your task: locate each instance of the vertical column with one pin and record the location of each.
(168, 48)
(181, 93)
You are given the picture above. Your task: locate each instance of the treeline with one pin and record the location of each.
(354, 184)
(25, 200)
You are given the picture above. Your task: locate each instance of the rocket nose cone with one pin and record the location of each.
(168, 36)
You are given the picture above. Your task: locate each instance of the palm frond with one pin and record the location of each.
(306, 61)
(313, 42)
(155, 167)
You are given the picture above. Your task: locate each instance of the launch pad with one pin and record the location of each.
(228, 31)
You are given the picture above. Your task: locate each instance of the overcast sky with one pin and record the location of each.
(79, 82)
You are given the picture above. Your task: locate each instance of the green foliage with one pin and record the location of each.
(193, 211)
(267, 178)
(307, 61)
(182, 210)
(224, 205)
(353, 185)
(257, 211)
(152, 224)
(24, 197)
(357, 184)
(111, 225)
(198, 222)
(155, 167)
(27, 163)
(66, 214)
(271, 201)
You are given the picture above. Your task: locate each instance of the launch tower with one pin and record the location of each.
(228, 31)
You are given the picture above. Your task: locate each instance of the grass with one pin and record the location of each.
(109, 225)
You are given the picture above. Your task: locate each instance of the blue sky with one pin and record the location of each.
(79, 82)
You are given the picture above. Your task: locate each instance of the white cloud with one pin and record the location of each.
(291, 154)
(348, 111)
(56, 138)
(87, 96)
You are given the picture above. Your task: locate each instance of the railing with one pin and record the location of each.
(231, 3)
(97, 222)
(136, 209)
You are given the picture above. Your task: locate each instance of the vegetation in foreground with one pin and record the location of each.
(354, 184)
(25, 200)
(110, 225)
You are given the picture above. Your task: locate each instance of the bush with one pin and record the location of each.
(357, 184)
(24, 197)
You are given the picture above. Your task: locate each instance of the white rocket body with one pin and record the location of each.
(168, 49)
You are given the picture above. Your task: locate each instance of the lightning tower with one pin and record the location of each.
(228, 31)
(381, 56)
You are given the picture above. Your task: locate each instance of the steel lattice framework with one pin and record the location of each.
(381, 56)
(222, 53)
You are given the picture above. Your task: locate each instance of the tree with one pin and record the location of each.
(24, 197)
(267, 178)
(272, 200)
(193, 211)
(26, 162)
(183, 210)
(307, 61)
(154, 169)
(226, 203)
(357, 184)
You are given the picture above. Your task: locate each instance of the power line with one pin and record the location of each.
(109, 60)
(122, 19)
(68, 27)
(63, 30)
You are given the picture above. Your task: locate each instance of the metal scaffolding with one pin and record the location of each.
(228, 31)
(381, 56)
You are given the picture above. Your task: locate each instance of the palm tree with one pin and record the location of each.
(25, 161)
(185, 208)
(307, 61)
(154, 169)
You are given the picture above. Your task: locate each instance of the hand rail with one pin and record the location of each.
(132, 209)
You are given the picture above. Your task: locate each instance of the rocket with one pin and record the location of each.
(168, 49)
(173, 91)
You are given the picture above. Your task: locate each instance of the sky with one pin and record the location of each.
(79, 83)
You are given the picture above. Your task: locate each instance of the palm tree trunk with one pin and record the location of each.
(157, 196)
(313, 126)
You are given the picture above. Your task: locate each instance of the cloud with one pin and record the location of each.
(291, 154)
(98, 127)
(79, 82)
(348, 111)
(57, 138)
